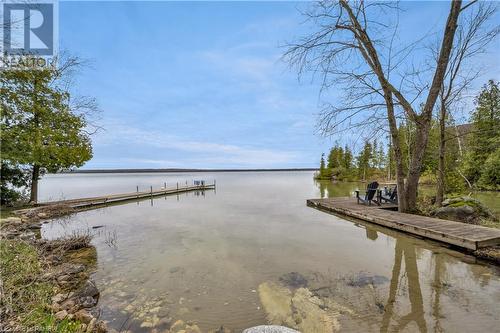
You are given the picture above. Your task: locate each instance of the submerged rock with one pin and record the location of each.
(270, 329)
(221, 329)
(363, 280)
(177, 326)
(294, 280)
(299, 310)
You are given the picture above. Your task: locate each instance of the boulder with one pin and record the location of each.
(91, 325)
(34, 226)
(83, 316)
(221, 329)
(88, 301)
(462, 213)
(59, 298)
(463, 209)
(68, 304)
(61, 315)
(88, 290)
(193, 329)
(63, 278)
(178, 326)
(101, 327)
(72, 268)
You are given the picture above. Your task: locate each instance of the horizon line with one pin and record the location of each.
(168, 170)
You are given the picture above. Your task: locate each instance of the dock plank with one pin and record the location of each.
(456, 233)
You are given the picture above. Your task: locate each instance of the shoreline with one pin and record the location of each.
(60, 275)
(97, 171)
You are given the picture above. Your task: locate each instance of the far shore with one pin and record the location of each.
(181, 170)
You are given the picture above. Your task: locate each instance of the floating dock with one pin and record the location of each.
(113, 198)
(459, 234)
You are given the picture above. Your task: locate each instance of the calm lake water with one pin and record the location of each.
(252, 253)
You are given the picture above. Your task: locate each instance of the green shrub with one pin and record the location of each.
(490, 175)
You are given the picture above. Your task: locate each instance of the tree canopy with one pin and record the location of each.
(39, 125)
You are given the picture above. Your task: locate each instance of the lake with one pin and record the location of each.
(251, 252)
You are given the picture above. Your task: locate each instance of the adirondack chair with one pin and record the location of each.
(370, 195)
(391, 197)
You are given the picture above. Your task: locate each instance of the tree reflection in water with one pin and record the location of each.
(406, 250)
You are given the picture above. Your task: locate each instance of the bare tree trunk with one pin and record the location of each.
(442, 151)
(398, 155)
(414, 169)
(423, 121)
(459, 141)
(408, 199)
(35, 175)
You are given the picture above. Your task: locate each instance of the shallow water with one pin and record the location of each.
(224, 257)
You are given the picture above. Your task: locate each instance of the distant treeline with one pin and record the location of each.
(180, 170)
(472, 158)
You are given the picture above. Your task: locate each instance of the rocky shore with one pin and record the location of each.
(60, 276)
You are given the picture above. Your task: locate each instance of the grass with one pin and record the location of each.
(25, 296)
(490, 223)
(6, 212)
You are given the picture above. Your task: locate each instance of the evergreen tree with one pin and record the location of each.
(485, 138)
(322, 167)
(348, 158)
(364, 159)
(39, 127)
(335, 157)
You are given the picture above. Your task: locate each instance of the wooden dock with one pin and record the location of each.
(459, 234)
(113, 198)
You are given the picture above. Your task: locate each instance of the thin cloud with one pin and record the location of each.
(206, 153)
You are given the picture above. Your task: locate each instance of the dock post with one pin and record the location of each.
(165, 185)
(137, 187)
(151, 190)
(177, 186)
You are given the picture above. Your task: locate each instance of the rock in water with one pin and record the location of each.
(300, 310)
(294, 280)
(270, 329)
(88, 290)
(364, 279)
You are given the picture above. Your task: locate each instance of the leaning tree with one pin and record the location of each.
(355, 49)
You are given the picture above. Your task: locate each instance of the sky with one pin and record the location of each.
(202, 84)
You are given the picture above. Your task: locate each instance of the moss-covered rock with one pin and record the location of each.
(463, 209)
